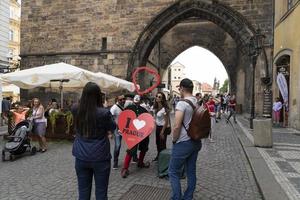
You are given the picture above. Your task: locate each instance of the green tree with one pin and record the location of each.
(224, 88)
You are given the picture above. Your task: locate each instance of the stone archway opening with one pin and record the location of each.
(214, 26)
(198, 64)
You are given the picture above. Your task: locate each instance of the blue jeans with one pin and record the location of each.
(118, 142)
(231, 113)
(184, 153)
(85, 172)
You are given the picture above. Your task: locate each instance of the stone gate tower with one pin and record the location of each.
(115, 36)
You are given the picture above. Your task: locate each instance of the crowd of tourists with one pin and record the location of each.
(95, 125)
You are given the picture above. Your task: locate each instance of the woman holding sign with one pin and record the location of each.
(91, 147)
(162, 121)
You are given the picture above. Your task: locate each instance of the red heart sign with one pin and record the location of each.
(135, 129)
(150, 71)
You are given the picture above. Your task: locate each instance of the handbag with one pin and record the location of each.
(168, 129)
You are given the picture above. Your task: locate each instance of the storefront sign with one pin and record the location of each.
(283, 70)
(135, 129)
(267, 104)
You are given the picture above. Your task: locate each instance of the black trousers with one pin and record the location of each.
(142, 146)
(160, 142)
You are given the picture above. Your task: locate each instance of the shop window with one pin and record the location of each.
(104, 44)
(11, 12)
(290, 4)
(11, 35)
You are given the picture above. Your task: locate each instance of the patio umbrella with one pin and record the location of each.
(114, 83)
(62, 75)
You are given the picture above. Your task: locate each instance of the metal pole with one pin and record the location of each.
(61, 95)
(252, 108)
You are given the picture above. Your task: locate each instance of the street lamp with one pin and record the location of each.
(255, 47)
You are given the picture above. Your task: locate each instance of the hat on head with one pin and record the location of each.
(136, 99)
(129, 95)
(186, 83)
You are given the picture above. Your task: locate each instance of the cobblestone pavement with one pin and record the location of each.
(223, 173)
(283, 159)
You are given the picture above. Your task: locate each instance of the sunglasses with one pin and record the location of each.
(159, 96)
(123, 99)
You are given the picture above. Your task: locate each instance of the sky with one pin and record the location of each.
(202, 65)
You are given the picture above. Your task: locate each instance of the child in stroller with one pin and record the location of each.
(19, 141)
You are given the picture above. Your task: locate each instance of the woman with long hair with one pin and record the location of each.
(91, 147)
(39, 123)
(162, 121)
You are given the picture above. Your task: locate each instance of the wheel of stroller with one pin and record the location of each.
(3, 155)
(11, 157)
(33, 150)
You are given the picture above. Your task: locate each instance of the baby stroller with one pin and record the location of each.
(18, 142)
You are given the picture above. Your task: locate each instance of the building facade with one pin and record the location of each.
(177, 74)
(206, 89)
(4, 37)
(287, 58)
(197, 87)
(14, 33)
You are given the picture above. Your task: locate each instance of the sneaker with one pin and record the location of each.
(211, 140)
(144, 165)
(124, 173)
(43, 150)
(155, 159)
(115, 166)
(135, 160)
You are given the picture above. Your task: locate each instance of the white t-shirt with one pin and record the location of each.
(115, 111)
(128, 103)
(188, 114)
(146, 106)
(159, 117)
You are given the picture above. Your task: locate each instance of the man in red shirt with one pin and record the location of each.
(231, 107)
(211, 108)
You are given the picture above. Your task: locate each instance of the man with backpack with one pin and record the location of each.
(115, 110)
(185, 150)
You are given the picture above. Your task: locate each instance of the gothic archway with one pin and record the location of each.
(225, 17)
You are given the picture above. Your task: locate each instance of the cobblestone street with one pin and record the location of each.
(223, 173)
(283, 159)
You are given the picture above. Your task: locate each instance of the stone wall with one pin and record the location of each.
(79, 26)
(100, 35)
(286, 44)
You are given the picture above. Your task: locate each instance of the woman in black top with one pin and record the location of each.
(91, 147)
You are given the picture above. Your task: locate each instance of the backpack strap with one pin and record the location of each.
(120, 107)
(189, 102)
(193, 107)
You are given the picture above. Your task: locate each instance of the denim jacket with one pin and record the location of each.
(95, 148)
